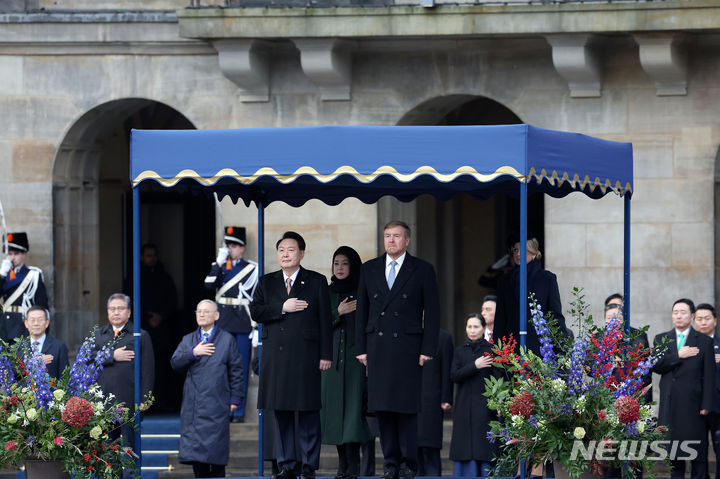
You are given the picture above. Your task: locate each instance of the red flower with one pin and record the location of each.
(602, 414)
(628, 409)
(661, 429)
(522, 405)
(608, 441)
(10, 446)
(58, 441)
(77, 412)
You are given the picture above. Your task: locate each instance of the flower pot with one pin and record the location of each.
(561, 473)
(35, 469)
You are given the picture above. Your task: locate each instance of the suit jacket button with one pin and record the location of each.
(379, 333)
(382, 314)
(375, 295)
(404, 296)
(394, 335)
(396, 313)
(282, 329)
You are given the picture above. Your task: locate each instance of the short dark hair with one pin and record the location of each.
(707, 306)
(292, 235)
(475, 315)
(490, 297)
(148, 246)
(689, 302)
(47, 313)
(402, 224)
(614, 296)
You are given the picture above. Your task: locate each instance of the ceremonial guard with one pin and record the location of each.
(21, 287)
(234, 279)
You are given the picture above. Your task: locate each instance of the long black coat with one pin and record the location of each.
(471, 416)
(507, 317)
(59, 351)
(394, 328)
(212, 383)
(118, 377)
(293, 343)
(686, 386)
(437, 388)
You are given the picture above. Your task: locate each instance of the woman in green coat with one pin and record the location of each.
(343, 385)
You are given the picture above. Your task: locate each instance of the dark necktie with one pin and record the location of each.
(288, 284)
(205, 337)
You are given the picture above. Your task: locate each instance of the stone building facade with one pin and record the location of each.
(76, 75)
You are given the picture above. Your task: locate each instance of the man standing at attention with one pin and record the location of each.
(118, 374)
(53, 351)
(234, 279)
(686, 386)
(21, 287)
(293, 305)
(398, 318)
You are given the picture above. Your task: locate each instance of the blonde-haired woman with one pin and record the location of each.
(540, 282)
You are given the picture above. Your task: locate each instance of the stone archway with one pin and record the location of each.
(462, 236)
(90, 209)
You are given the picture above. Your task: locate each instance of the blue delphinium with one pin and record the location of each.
(532, 420)
(7, 377)
(632, 383)
(85, 370)
(38, 378)
(490, 437)
(577, 366)
(543, 333)
(630, 429)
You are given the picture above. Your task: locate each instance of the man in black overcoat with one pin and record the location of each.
(118, 374)
(706, 323)
(293, 307)
(398, 317)
(687, 383)
(53, 351)
(437, 397)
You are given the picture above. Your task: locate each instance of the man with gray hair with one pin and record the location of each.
(118, 374)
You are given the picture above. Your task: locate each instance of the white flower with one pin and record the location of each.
(580, 405)
(95, 432)
(111, 396)
(558, 385)
(12, 419)
(516, 420)
(640, 426)
(645, 411)
(579, 432)
(61, 407)
(58, 394)
(31, 414)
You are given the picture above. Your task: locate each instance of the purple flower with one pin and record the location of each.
(490, 437)
(632, 383)
(532, 420)
(85, 370)
(630, 429)
(7, 377)
(38, 377)
(546, 346)
(577, 366)
(30, 441)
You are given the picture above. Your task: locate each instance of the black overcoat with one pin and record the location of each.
(437, 388)
(118, 377)
(212, 383)
(293, 343)
(507, 317)
(59, 351)
(394, 327)
(686, 386)
(471, 416)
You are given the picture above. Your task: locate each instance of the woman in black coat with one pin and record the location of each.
(540, 282)
(469, 448)
(213, 388)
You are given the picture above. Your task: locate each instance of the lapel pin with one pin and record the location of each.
(302, 282)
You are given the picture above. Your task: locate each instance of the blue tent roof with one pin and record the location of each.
(332, 163)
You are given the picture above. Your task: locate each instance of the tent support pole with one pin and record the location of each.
(137, 315)
(523, 281)
(261, 271)
(626, 265)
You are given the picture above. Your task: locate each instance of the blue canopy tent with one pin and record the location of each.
(331, 163)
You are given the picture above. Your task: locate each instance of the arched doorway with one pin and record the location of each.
(462, 236)
(92, 220)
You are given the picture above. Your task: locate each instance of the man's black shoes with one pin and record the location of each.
(307, 472)
(285, 474)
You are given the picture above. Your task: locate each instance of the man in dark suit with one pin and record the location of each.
(293, 305)
(706, 323)
(54, 352)
(118, 374)
(686, 386)
(437, 397)
(398, 317)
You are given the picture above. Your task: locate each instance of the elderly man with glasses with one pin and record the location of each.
(118, 374)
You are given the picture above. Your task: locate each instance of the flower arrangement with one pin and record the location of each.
(64, 420)
(579, 404)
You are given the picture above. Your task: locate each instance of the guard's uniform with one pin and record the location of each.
(234, 283)
(20, 289)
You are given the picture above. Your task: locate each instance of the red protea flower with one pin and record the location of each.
(522, 405)
(602, 414)
(10, 446)
(77, 412)
(628, 409)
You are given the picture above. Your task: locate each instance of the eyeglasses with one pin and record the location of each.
(204, 312)
(117, 309)
(515, 250)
